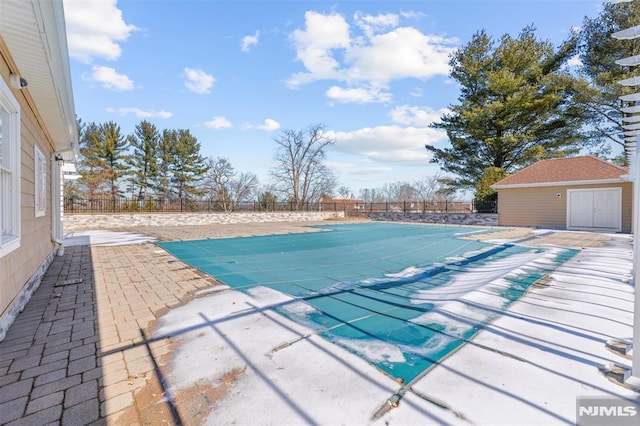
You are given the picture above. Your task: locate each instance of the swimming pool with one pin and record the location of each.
(401, 296)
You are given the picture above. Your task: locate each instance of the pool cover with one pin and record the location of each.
(401, 296)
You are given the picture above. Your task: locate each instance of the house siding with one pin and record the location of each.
(20, 270)
(541, 207)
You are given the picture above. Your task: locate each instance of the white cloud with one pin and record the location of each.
(198, 81)
(95, 29)
(382, 51)
(110, 79)
(401, 53)
(218, 122)
(269, 125)
(388, 144)
(373, 24)
(248, 41)
(416, 92)
(416, 116)
(140, 113)
(314, 46)
(346, 168)
(360, 95)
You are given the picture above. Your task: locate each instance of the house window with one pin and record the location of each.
(9, 171)
(40, 181)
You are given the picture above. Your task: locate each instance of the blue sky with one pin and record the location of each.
(239, 73)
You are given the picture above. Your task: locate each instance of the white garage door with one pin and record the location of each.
(597, 209)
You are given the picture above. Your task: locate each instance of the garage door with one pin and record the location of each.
(594, 209)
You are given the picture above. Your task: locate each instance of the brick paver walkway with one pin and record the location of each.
(77, 355)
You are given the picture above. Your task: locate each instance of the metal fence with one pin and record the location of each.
(130, 205)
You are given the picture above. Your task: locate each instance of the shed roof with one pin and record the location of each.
(574, 170)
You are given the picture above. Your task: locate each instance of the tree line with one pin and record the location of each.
(167, 166)
(521, 100)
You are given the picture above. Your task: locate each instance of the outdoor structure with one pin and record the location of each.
(631, 132)
(578, 193)
(342, 204)
(37, 134)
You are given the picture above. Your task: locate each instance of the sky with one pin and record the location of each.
(238, 74)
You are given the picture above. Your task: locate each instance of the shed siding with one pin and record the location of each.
(541, 207)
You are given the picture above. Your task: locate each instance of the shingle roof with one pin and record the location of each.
(587, 168)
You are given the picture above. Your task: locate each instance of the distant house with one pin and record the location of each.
(579, 193)
(341, 204)
(37, 134)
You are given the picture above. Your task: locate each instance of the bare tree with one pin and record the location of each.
(373, 195)
(299, 171)
(430, 188)
(345, 192)
(219, 173)
(225, 187)
(243, 188)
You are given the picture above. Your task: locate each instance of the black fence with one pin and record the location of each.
(129, 205)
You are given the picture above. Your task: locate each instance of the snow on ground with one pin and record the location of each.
(526, 367)
(311, 381)
(104, 238)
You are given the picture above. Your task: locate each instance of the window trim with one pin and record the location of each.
(11, 242)
(40, 181)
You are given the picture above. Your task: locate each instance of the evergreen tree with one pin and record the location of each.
(486, 197)
(188, 165)
(514, 107)
(144, 166)
(92, 166)
(114, 148)
(166, 150)
(267, 201)
(599, 93)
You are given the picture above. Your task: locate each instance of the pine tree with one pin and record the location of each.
(114, 148)
(166, 150)
(144, 143)
(514, 107)
(92, 166)
(188, 165)
(599, 93)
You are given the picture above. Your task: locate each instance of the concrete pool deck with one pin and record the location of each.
(94, 352)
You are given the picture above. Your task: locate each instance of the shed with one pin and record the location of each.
(577, 193)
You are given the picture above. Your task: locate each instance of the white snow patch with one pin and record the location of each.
(105, 238)
(374, 350)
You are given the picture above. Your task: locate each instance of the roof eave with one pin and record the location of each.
(35, 34)
(621, 179)
(51, 15)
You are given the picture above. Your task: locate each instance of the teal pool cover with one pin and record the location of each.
(401, 296)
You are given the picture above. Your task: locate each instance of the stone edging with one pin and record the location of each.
(483, 219)
(73, 222)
